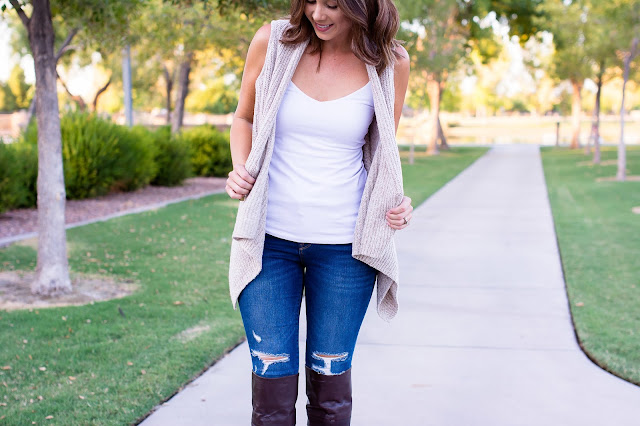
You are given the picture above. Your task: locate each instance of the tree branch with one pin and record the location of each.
(64, 47)
(23, 16)
(77, 99)
(102, 89)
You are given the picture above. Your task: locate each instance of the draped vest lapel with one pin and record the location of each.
(273, 81)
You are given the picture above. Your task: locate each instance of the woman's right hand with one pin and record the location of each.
(239, 182)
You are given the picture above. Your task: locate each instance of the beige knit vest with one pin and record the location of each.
(373, 238)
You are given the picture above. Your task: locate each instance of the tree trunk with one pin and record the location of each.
(433, 91)
(65, 47)
(576, 107)
(52, 270)
(183, 91)
(622, 152)
(100, 92)
(443, 139)
(596, 119)
(31, 111)
(168, 80)
(126, 83)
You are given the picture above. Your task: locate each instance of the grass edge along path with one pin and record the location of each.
(594, 224)
(111, 362)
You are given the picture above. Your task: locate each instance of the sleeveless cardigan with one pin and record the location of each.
(373, 241)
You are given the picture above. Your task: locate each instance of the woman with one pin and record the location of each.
(317, 168)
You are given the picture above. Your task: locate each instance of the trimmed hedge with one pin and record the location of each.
(100, 156)
(210, 150)
(173, 158)
(137, 165)
(18, 174)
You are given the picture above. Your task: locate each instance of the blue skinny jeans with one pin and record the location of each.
(337, 289)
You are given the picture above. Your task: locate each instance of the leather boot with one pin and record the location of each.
(329, 398)
(274, 400)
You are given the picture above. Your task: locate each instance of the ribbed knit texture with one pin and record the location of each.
(373, 238)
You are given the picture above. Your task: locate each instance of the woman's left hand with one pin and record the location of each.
(399, 217)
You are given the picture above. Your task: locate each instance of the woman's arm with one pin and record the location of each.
(240, 181)
(401, 81)
(399, 217)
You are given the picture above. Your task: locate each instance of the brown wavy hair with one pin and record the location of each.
(374, 27)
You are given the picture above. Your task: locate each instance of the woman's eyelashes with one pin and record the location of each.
(335, 6)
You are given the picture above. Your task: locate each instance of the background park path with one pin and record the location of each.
(483, 335)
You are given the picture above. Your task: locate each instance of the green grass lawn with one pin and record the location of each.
(599, 238)
(90, 364)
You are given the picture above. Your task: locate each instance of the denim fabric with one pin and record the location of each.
(337, 289)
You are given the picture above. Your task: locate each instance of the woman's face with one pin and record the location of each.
(328, 21)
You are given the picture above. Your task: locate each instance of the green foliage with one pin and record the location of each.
(173, 158)
(18, 173)
(90, 153)
(136, 165)
(215, 98)
(7, 99)
(100, 156)
(21, 91)
(570, 24)
(27, 165)
(210, 150)
(8, 178)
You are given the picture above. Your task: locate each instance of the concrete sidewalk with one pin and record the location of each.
(483, 336)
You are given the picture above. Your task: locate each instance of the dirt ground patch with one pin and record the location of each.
(635, 178)
(602, 163)
(15, 291)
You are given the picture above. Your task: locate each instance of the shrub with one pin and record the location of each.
(90, 152)
(210, 151)
(18, 173)
(173, 158)
(100, 156)
(136, 166)
(8, 175)
(27, 166)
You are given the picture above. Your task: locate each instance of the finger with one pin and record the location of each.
(239, 181)
(237, 188)
(404, 205)
(395, 223)
(231, 193)
(396, 217)
(244, 174)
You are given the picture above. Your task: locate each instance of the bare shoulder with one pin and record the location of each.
(257, 51)
(261, 38)
(403, 62)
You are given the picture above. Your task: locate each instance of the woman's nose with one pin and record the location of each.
(318, 12)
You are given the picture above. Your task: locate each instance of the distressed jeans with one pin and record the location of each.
(337, 289)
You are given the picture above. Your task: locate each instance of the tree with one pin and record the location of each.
(7, 99)
(626, 14)
(569, 24)
(52, 270)
(436, 42)
(440, 33)
(19, 88)
(600, 52)
(178, 35)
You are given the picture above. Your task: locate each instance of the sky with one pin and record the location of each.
(7, 61)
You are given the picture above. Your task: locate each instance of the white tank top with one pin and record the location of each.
(316, 174)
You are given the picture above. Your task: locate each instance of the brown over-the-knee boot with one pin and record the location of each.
(274, 400)
(329, 398)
